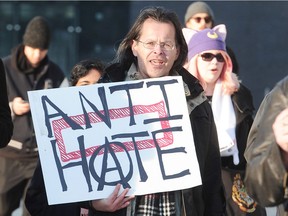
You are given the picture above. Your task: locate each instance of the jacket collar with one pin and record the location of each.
(193, 84)
(114, 73)
(242, 100)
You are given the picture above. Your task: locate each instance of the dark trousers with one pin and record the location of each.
(15, 176)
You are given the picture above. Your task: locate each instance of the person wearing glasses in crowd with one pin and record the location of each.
(199, 16)
(232, 107)
(155, 47)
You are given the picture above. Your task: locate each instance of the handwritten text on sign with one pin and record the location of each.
(135, 133)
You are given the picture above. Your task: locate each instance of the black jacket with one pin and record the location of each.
(36, 200)
(20, 79)
(6, 125)
(205, 200)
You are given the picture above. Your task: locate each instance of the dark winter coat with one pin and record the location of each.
(20, 79)
(6, 124)
(207, 199)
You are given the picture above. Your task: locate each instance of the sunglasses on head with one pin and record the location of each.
(210, 56)
(206, 19)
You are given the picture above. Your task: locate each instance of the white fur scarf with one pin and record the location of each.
(225, 120)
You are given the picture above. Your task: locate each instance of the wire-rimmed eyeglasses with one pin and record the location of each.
(167, 46)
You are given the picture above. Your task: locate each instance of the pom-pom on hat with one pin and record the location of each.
(198, 7)
(37, 33)
(207, 39)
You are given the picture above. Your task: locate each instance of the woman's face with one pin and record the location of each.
(91, 77)
(210, 65)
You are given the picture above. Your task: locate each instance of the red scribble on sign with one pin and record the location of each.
(60, 124)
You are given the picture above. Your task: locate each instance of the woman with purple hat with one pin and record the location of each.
(232, 107)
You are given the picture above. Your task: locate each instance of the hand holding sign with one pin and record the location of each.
(113, 202)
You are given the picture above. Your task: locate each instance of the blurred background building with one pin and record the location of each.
(257, 32)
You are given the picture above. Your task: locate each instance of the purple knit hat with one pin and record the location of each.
(207, 39)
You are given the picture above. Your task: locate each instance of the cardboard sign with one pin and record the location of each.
(136, 133)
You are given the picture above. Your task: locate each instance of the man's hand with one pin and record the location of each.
(19, 106)
(113, 202)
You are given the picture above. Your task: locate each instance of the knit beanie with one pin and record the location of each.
(198, 7)
(207, 39)
(37, 33)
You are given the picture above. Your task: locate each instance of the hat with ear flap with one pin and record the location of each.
(37, 33)
(207, 39)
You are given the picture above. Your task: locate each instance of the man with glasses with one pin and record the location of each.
(155, 47)
(199, 16)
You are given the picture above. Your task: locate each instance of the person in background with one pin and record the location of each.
(86, 72)
(232, 107)
(6, 124)
(155, 47)
(267, 151)
(199, 16)
(27, 68)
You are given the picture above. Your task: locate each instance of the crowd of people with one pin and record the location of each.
(243, 161)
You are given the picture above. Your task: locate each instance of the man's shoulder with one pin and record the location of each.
(55, 70)
(55, 66)
(114, 73)
(192, 82)
(283, 84)
(6, 59)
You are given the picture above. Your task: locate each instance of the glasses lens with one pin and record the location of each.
(219, 57)
(197, 19)
(209, 56)
(168, 46)
(207, 19)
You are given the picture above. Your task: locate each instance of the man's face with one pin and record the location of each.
(34, 55)
(199, 22)
(156, 49)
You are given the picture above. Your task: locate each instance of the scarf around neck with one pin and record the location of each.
(225, 120)
(163, 204)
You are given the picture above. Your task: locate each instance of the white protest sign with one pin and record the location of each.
(136, 133)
